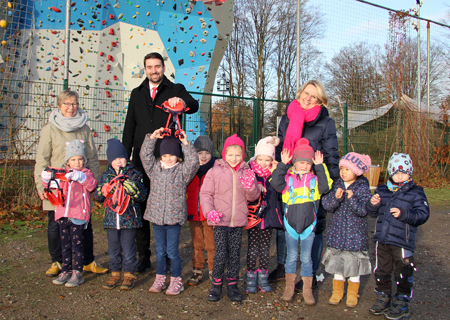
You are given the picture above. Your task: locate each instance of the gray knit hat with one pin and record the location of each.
(204, 143)
(74, 148)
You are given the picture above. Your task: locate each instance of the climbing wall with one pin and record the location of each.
(108, 41)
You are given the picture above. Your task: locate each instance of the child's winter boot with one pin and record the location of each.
(338, 292)
(175, 286)
(290, 287)
(75, 280)
(251, 281)
(278, 274)
(196, 278)
(381, 305)
(113, 281)
(263, 280)
(399, 308)
(352, 294)
(159, 284)
(216, 290)
(307, 291)
(233, 290)
(128, 281)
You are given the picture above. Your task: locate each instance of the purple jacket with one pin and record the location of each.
(222, 191)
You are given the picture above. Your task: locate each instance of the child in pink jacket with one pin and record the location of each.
(74, 215)
(223, 197)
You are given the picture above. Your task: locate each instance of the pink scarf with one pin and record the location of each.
(259, 170)
(297, 117)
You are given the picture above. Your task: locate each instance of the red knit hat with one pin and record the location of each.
(231, 141)
(357, 163)
(303, 151)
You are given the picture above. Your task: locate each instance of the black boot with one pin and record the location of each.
(277, 274)
(233, 290)
(143, 264)
(299, 285)
(215, 291)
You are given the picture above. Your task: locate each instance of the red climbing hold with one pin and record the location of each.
(55, 58)
(108, 67)
(114, 43)
(111, 31)
(106, 127)
(72, 4)
(54, 32)
(56, 9)
(108, 93)
(62, 62)
(112, 17)
(102, 53)
(110, 58)
(190, 28)
(114, 77)
(94, 134)
(202, 54)
(106, 82)
(103, 22)
(199, 12)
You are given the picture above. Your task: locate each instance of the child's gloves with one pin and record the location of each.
(247, 180)
(46, 176)
(75, 175)
(214, 216)
(130, 187)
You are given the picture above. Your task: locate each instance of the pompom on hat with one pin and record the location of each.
(400, 162)
(74, 148)
(303, 151)
(357, 163)
(266, 146)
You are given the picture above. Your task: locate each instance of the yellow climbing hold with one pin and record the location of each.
(131, 36)
(3, 23)
(134, 17)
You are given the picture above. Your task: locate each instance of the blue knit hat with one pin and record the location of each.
(115, 150)
(170, 145)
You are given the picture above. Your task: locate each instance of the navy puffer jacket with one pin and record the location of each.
(321, 134)
(347, 229)
(401, 231)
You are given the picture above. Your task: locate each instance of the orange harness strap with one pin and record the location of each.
(118, 198)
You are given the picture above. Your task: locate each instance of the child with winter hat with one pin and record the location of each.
(74, 215)
(166, 204)
(400, 207)
(223, 197)
(301, 191)
(202, 234)
(267, 214)
(347, 235)
(121, 219)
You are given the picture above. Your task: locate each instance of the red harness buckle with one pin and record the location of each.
(118, 198)
(174, 113)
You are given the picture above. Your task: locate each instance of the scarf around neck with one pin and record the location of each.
(263, 173)
(67, 124)
(392, 186)
(297, 117)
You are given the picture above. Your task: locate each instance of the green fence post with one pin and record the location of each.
(345, 128)
(255, 132)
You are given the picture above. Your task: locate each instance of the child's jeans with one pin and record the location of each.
(202, 239)
(305, 255)
(122, 241)
(167, 240)
(228, 243)
(71, 242)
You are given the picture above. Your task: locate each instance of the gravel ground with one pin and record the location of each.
(26, 293)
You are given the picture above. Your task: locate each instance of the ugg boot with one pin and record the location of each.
(251, 281)
(307, 291)
(233, 290)
(128, 281)
(263, 280)
(278, 274)
(216, 290)
(290, 285)
(113, 281)
(352, 294)
(338, 292)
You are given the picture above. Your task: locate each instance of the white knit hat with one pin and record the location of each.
(267, 146)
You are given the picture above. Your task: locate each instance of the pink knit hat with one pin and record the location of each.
(357, 163)
(303, 151)
(267, 146)
(233, 140)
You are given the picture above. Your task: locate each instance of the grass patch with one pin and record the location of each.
(438, 196)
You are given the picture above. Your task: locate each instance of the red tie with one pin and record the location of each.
(154, 92)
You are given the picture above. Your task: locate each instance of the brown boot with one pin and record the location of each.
(338, 292)
(307, 291)
(113, 281)
(128, 281)
(290, 287)
(352, 294)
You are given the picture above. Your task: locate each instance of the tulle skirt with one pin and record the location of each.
(347, 263)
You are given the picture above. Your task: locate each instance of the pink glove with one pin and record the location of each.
(247, 180)
(46, 176)
(76, 176)
(214, 216)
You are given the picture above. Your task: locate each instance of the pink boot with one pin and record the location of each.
(159, 284)
(175, 287)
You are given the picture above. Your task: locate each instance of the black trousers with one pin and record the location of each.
(143, 236)
(54, 241)
(398, 260)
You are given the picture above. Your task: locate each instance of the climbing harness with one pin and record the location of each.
(174, 113)
(57, 174)
(118, 201)
(256, 212)
(292, 198)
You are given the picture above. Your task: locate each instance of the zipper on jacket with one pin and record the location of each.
(117, 221)
(68, 199)
(407, 233)
(85, 204)
(234, 197)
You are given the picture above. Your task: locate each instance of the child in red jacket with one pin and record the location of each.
(202, 234)
(74, 215)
